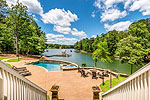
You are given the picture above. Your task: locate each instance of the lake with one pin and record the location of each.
(78, 58)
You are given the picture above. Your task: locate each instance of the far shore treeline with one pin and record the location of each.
(131, 46)
(19, 33)
(59, 46)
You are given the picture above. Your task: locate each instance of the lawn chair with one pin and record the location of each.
(106, 73)
(94, 75)
(83, 74)
(101, 76)
(79, 69)
(22, 70)
(26, 74)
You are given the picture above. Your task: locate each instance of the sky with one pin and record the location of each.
(68, 21)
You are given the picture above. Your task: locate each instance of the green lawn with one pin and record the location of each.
(9, 65)
(1, 58)
(48, 98)
(115, 81)
(16, 60)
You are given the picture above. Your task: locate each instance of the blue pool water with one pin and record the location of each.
(69, 66)
(48, 66)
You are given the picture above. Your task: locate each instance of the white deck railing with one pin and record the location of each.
(13, 86)
(135, 87)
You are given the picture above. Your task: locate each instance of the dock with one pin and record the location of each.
(63, 54)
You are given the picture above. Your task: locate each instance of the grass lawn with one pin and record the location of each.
(115, 81)
(1, 58)
(48, 98)
(9, 65)
(16, 60)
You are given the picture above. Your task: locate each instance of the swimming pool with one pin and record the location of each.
(69, 66)
(48, 66)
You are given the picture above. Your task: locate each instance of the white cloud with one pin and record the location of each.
(97, 3)
(61, 29)
(110, 3)
(105, 4)
(127, 3)
(34, 17)
(141, 5)
(93, 14)
(60, 39)
(81, 34)
(50, 36)
(34, 6)
(112, 14)
(61, 20)
(121, 26)
(59, 17)
(94, 36)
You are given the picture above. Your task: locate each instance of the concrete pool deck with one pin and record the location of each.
(72, 85)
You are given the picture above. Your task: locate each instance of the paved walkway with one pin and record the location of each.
(72, 85)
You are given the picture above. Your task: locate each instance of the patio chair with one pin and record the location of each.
(101, 76)
(94, 75)
(84, 74)
(22, 70)
(79, 69)
(26, 74)
(106, 73)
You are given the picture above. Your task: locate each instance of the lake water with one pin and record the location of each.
(78, 58)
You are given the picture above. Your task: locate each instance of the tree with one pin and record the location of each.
(16, 18)
(101, 52)
(140, 29)
(24, 31)
(131, 51)
(112, 38)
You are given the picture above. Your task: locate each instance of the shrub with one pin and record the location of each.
(41, 58)
(83, 64)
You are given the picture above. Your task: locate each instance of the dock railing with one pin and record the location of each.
(135, 87)
(13, 86)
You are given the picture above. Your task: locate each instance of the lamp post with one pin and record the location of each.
(103, 77)
(110, 80)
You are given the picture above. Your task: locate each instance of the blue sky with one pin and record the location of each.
(67, 21)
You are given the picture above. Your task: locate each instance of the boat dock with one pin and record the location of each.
(63, 54)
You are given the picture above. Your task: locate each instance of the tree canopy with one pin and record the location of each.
(19, 33)
(131, 46)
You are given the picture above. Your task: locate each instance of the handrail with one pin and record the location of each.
(134, 75)
(8, 69)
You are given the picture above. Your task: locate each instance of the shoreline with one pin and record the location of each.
(46, 59)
